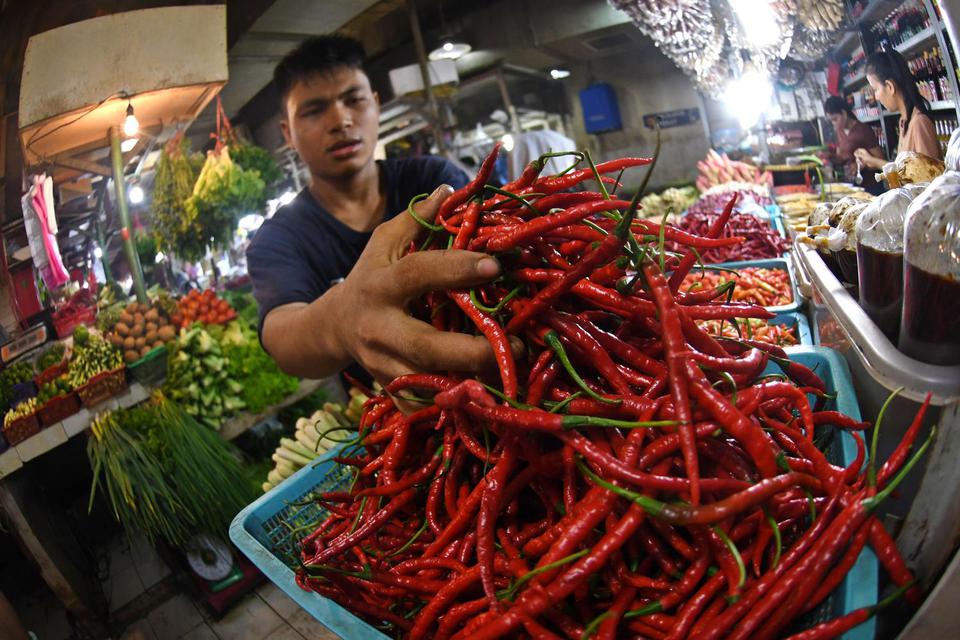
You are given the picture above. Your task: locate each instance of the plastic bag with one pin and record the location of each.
(952, 158)
(880, 225)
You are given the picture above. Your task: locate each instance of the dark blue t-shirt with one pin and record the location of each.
(303, 250)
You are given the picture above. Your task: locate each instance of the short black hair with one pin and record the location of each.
(836, 104)
(317, 55)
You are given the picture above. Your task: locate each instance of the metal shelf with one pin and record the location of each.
(927, 35)
(943, 105)
(877, 10)
(855, 81)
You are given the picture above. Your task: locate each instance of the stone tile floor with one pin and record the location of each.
(266, 614)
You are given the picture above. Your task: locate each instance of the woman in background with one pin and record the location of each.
(852, 135)
(896, 89)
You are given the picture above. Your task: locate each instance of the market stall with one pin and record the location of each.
(727, 379)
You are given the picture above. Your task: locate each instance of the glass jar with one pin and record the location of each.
(930, 322)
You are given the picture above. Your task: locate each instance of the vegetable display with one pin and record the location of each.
(164, 475)
(713, 202)
(204, 307)
(173, 185)
(139, 329)
(11, 376)
(314, 436)
(254, 158)
(248, 365)
(92, 355)
(756, 285)
(59, 386)
(752, 329)
(222, 194)
(671, 201)
(718, 168)
(631, 476)
(23, 409)
(760, 240)
(52, 356)
(198, 381)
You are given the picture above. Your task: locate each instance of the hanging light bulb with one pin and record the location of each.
(130, 123)
(135, 194)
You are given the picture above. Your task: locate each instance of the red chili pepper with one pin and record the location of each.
(472, 188)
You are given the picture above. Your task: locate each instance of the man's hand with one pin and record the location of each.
(368, 315)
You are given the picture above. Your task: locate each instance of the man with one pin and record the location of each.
(327, 269)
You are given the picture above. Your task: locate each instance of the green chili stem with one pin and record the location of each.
(874, 439)
(557, 408)
(492, 310)
(732, 548)
(777, 540)
(553, 340)
(423, 223)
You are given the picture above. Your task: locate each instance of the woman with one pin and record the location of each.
(851, 135)
(896, 89)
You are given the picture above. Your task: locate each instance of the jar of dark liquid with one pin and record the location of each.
(930, 323)
(880, 257)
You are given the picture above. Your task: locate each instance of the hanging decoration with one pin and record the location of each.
(712, 41)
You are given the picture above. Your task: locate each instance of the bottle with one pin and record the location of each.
(930, 321)
(880, 257)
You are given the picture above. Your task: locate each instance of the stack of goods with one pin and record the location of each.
(760, 240)
(156, 456)
(10, 377)
(139, 329)
(672, 201)
(596, 484)
(314, 436)
(778, 334)
(831, 228)
(204, 307)
(717, 169)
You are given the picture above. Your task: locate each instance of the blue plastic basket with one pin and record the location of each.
(772, 263)
(263, 530)
(859, 588)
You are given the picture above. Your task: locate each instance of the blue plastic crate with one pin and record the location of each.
(263, 531)
(772, 263)
(799, 322)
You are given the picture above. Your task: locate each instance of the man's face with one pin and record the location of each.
(332, 120)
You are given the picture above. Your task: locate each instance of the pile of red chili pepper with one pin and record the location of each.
(761, 240)
(757, 285)
(631, 476)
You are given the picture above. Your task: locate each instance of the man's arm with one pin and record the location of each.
(364, 319)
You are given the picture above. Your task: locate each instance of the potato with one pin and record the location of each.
(150, 337)
(116, 340)
(151, 326)
(158, 343)
(130, 356)
(126, 318)
(152, 315)
(145, 350)
(122, 329)
(140, 343)
(138, 318)
(167, 333)
(129, 343)
(132, 307)
(136, 330)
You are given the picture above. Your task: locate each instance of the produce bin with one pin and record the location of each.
(102, 387)
(262, 530)
(65, 323)
(22, 391)
(21, 429)
(772, 263)
(151, 369)
(59, 408)
(800, 324)
(926, 504)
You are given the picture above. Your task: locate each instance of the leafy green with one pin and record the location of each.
(176, 175)
(164, 474)
(254, 158)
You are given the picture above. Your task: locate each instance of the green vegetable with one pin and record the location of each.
(80, 335)
(223, 193)
(254, 158)
(51, 357)
(90, 358)
(13, 375)
(165, 475)
(198, 380)
(173, 185)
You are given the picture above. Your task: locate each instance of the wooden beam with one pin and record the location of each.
(84, 165)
